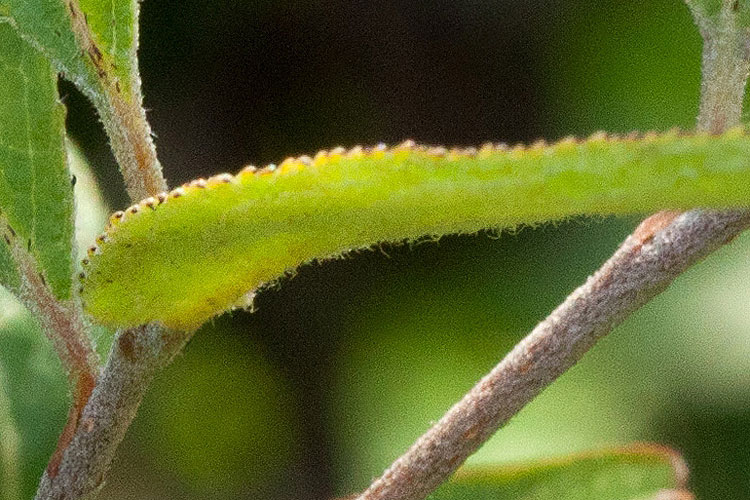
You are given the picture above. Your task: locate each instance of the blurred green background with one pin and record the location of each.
(342, 367)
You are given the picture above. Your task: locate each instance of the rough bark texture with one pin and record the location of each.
(136, 355)
(648, 261)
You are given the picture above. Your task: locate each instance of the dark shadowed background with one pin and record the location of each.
(344, 365)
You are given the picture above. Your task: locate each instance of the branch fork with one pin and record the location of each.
(661, 248)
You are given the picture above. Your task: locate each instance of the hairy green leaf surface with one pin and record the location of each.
(183, 257)
(92, 42)
(8, 274)
(36, 197)
(641, 472)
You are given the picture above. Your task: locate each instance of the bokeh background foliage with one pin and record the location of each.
(342, 367)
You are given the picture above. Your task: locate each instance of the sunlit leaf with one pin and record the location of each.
(91, 209)
(183, 257)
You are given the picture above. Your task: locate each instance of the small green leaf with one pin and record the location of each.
(186, 256)
(36, 197)
(114, 25)
(92, 42)
(640, 472)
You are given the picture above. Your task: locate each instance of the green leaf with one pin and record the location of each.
(94, 44)
(640, 472)
(8, 272)
(184, 257)
(36, 198)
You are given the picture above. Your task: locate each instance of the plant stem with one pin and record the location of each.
(103, 404)
(726, 56)
(62, 323)
(136, 355)
(130, 137)
(659, 250)
(650, 259)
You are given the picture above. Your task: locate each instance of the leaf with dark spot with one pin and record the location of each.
(35, 194)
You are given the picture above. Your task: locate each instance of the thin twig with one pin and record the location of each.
(130, 138)
(62, 323)
(726, 49)
(660, 249)
(136, 355)
(702, 19)
(645, 264)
